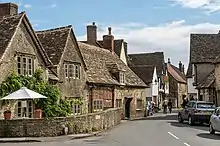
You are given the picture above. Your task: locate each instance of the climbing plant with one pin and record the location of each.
(53, 106)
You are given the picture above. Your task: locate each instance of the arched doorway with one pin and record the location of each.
(128, 107)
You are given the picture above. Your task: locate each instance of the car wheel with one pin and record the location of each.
(180, 119)
(190, 121)
(211, 130)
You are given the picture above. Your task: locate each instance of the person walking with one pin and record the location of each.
(170, 106)
(165, 102)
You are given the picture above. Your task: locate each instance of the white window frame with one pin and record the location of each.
(72, 70)
(29, 109)
(24, 67)
(98, 105)
(122, 77)
(77, 109)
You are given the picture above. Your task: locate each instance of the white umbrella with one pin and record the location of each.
(23, 93)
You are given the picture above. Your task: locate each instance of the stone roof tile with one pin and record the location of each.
(98, 61)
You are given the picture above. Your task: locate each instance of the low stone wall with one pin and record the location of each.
(55, 126)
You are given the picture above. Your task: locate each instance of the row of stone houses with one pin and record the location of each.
(94, 70)
(203, 71)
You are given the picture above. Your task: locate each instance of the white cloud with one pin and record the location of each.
(171, 38)
(207, 5)
(27, 6)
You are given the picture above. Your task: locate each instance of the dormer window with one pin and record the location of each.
(122, 78)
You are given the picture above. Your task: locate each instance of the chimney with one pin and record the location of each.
(180, 66)
(183, 69)
(108, 40)
(169, 60)
(92, 34)
(8, 9)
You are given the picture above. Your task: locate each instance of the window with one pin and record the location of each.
(118, 102)
(72, 71)
(25, 65)
(97, 105)
(77, 109)
(77, 71)
(25, 109)
(122, 78)
(139, 104)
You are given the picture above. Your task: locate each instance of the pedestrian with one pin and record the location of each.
(165, 102)
(185, 101)
(170, 105)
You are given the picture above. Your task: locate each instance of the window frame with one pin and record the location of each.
(122, 78)
(98, 105)
(25, 65)
(72, 70)
(77, 109)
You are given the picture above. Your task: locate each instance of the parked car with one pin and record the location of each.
(196, 111)
(214, 124)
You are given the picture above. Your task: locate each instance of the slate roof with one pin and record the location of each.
(154, 59)
(54, 42)
(176, 73)
(204, 48)
(189, 71)
(98, 60)
(8, 25)
(207, 81)
(145, 72)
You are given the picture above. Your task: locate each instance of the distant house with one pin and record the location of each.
(20, 51)
(204, 48)
(112, 83)
(62, 48)
(151, 69)
(119, 45)
(177, 84)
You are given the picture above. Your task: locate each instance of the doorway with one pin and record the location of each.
(127, 107)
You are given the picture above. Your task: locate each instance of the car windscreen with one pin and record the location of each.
(205, 105)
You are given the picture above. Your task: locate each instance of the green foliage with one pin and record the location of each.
(53, 106)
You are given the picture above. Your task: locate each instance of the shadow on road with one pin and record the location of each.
(164, 117)
(209, 136)
(197, 126)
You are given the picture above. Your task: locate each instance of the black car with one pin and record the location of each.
(196, 111)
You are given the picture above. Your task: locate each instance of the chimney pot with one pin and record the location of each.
(109, 30)
(8, 9)
(108, 41)
(180, 66)
(93, 23)
(169, 60)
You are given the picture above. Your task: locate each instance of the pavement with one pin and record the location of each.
(155, 131)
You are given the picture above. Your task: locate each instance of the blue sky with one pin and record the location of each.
(147, 25)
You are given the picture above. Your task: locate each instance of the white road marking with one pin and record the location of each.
(173, 135)
(186, 144)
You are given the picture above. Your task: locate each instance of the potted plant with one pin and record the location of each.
(7, 115)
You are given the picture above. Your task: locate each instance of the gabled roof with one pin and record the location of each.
(153, 59)
(207, 81)
(176, 73)
(98, 61)
(204, 48)
(8, 28)
(145, 72)
(54, 42)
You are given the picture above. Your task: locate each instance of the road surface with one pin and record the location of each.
(158, 131)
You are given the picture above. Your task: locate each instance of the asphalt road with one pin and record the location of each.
(158, 131)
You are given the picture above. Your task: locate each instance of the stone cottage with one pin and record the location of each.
(20, 52)
(62, 48)
(112, 83)
(151, 69)
(204, 48)
(177, 83)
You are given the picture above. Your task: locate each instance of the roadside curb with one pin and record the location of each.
(153, 116)
(18, 140)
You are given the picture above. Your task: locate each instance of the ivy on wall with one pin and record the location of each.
(53, 106)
